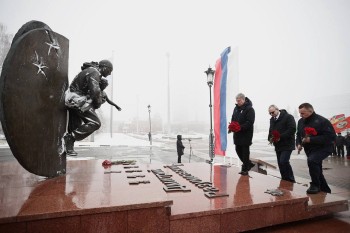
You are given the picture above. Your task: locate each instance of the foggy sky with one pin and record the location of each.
(290, 51)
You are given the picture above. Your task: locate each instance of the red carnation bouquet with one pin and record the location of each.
(309, 131)
(276, 136)
(234, 127)
(106, 163)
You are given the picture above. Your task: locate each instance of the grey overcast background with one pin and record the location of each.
(290, 51)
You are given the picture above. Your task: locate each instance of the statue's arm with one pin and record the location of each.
(95, 90)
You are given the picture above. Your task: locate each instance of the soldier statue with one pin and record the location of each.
(84, 95)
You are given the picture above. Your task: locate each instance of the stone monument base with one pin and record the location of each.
(196, 197)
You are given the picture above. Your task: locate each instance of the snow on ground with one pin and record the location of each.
(117, 139)
(260, 136)
(120, 139)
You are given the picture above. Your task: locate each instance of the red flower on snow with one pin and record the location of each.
(276, 136)
(234, 126)
(310, 131)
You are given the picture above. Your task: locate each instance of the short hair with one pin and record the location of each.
(240, 96)
(306, 106)
(273, 106)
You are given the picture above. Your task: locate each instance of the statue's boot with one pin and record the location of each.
(69, 145)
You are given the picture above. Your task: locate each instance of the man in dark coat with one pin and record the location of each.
(83, 97)
(180, 148)
(315, 134)
(282, 136)
(340, 142)
(347, 144)
(244, 115)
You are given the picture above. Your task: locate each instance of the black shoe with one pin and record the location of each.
(69, 145)
(250, 166)
(326, 190)
(313, 189)
(243, 173)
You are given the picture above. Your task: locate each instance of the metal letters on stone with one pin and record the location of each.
(274, 192)
(170, 184)
(128, 167)
(135, 176)
(139, 182)
(134, 170)
(33, 81)
(109, 172)
(214, 194)
(209, 190)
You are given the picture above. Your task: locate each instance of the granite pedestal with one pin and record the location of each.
(91, 198)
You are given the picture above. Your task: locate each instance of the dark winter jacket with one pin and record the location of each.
(340, 141)
(179, 146)
(286, 126)
(87, 83)
(245, 116)
(347, 140)
(324, 139)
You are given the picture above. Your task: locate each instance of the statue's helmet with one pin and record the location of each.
(105, 63)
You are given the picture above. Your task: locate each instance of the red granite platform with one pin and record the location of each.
(87, 199)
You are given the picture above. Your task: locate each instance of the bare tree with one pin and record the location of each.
(5, 43)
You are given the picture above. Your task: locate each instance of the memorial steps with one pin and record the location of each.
(91, 198)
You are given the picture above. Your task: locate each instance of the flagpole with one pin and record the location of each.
(111, 119)
(169, 125)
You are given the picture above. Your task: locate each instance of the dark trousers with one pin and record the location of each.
(348, 150)
(340, 151)
(284, 165)
(179, 158)
(243, 153)
(314, 162)
(82, 124)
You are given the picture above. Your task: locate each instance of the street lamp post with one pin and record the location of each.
(150, 125)
(210, 77)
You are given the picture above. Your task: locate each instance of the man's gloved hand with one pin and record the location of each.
(103, 84)
(234, 127)
(104, 97)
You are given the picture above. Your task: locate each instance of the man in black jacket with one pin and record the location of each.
(83, 97)
(315, 134)
(340, 142)
(282, 136)
(244, 115)
(180, 148)
(347, 144)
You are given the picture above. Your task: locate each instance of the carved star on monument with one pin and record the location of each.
(53, 45)
(39, 64)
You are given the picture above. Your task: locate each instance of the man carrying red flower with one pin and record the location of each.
(316, 135)
(241, 125)
(282, 136)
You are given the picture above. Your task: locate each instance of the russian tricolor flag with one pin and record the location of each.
(222, 77)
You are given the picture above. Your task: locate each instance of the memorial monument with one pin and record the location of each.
(33, 82)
